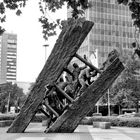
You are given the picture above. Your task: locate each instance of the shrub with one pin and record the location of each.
(7, 116)
(137, 115)
(97, 114)
(39, 118)
(36, 118)
(115, 121)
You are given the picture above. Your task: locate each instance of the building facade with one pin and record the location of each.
(8, 57)
(113, 29)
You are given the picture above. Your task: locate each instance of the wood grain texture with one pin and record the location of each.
(65, 48)
(70, 119)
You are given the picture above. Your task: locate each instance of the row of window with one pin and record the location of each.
(10, 71)
(13, 62)
(10, 57)
(113, 22)
(11, 46)
(10, 75)
(111, 11)
(11, 53)
(106, 1)
(111, 38)
(11, 78)
(11, 66)
(111, 44)
(109, 5)
(103, 55)
(110, 16)
(113, 33)
(12, 41)
(114, 12)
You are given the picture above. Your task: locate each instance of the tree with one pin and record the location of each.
(134, 7)
(126, 90)
(78, 7)
(11, 95)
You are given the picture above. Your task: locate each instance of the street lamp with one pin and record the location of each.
(108, 103)
(8, 104)
(46, 45)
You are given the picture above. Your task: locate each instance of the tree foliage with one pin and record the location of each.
(78, 7)
(11, 93)
(126, 91)
(12, 5)
(134, 7)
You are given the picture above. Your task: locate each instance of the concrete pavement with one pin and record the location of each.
(35, 131)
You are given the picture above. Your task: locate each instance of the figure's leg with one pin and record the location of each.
(76, 85)
(83, 87)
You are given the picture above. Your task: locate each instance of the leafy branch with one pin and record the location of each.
(77, 6)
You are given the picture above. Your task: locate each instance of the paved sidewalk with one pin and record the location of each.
(35, 131)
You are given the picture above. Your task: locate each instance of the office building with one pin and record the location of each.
(113, 28)
(8, 57)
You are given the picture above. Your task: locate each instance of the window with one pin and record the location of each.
(102, 32)
(102, 20)
(109, 32)
(117, 33)
(124, 34)
(109, 44)
(11, 41)
(117, 44)
(102, 43)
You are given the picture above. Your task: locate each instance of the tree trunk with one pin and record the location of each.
(137, 106)
(65, 48)
(119, 109)
(70, 119)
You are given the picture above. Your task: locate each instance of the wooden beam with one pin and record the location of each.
(70, 119)
(51, 109)
(45, 113)
(87, 63)
(68, 71)
(63, 93)
(67, 44)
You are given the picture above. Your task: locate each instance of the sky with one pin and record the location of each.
(30, 50)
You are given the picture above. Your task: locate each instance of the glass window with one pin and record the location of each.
(102, 20)
(102, 32)
(109, 43)
(109, 21)
(102, 43)
(117, 44)
(124, 34)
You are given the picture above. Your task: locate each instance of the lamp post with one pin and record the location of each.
(8, 105)
(46, 45)
(98, 107)
(108, 103)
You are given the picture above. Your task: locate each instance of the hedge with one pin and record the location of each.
(37, 117)
(115, 121)
(7, 116)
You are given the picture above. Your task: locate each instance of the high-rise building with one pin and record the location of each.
(8, 57)
(113, 28)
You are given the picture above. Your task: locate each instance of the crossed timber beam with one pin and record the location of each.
(70, 119)
(66, 46)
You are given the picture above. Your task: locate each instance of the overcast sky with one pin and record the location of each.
(30, 50)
